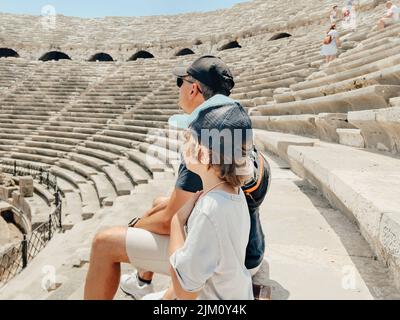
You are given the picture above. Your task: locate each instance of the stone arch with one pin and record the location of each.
(101, 56)
(280, 36)
(54, 55)
(142, 54)
(230, 45)
(8, 53)
(184, 52)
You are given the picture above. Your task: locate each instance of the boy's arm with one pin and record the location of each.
(177, 240)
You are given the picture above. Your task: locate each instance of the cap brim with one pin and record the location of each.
(180, 72)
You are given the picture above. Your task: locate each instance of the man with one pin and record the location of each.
(391, 17)
(206, 84)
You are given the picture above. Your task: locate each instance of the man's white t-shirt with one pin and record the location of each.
(395, 11)
(213, 257)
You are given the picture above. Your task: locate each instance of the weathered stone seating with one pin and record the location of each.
(380, 128)
(374, 96)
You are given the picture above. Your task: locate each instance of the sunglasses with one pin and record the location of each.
(179, 83)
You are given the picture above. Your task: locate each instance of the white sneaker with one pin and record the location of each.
(131, 285)
(155, 295)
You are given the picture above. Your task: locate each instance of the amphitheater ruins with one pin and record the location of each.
(84, 139)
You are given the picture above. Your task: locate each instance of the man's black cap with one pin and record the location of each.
(211, 71)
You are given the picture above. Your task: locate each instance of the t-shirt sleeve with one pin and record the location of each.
(198, 259)
(188, 180)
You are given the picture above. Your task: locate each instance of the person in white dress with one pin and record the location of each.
(331, 43)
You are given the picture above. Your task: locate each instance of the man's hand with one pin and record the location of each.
(161, 205)
(183, 214)
(160, 221)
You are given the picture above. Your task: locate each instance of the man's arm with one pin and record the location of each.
(160, 222)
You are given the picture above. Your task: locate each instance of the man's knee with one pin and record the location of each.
(106, 241)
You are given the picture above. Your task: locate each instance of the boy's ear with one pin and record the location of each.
(203, 155)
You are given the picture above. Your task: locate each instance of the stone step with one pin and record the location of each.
(81, 169)
(352, 180)
(395, 102)
(49, 145)
(104, 188)
(58, 141)
(108, 147)
(348, 74)
(61, 134)
(42, 151)
(148, 162)
(126, 135)
(100, 154)
(73, 210)
(351, 137)
(278, 143)
(322, 126)
(93, 162)
(136, 173)
(113, 140)
(165, 155)
(353, 63)
(65, 186)
(90, 201)
(69, 175)
(120, 181)
(380, 128)
(33, 158)
(375, 96)
(385, 76)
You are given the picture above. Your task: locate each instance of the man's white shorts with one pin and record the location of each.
(149, 251)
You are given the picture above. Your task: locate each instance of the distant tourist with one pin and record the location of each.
(334, 14)
(349, 15)
(330, 44)
(391, 16)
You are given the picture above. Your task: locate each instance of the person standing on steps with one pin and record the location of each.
(205, 85)
(334, 14)
(330, 45)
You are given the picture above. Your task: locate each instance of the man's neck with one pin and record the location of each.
(197, 103)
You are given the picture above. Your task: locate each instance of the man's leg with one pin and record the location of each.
(161, 203)
(108, 251)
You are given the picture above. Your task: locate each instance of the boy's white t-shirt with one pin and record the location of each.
(213, 257)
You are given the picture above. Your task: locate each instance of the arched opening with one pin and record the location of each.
(141, 55)
(101, 57)
(54, 55)
(280, 36)
(8, 53)
(184, 52)
(230, 45)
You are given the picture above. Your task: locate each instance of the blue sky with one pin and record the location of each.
(101, 8)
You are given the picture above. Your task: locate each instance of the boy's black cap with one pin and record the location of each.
(211, 71)
(212, 124)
